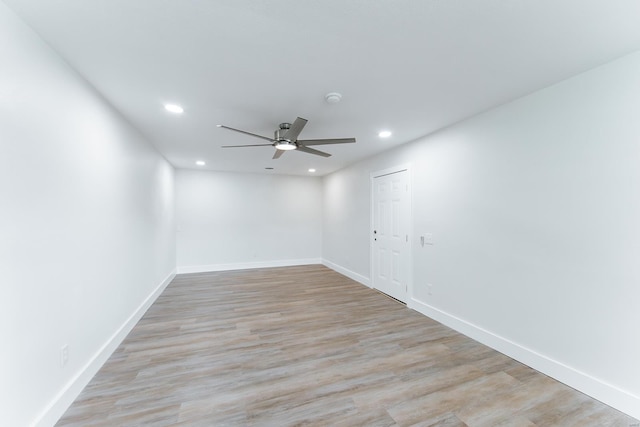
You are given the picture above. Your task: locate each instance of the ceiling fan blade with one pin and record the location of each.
(246, 133)
(295, 129)
(250, 145)
(326, 141)
(277, 154)
(312, 151)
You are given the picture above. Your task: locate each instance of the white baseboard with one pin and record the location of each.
(247, 265)
(58, 406)
(346, 272)
(600, 390)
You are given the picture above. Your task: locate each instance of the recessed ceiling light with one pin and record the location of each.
(384, 134)
(312, 170)
(200, 162)
(174, 108)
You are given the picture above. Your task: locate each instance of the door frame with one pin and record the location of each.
(372, 175)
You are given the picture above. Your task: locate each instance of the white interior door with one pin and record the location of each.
(390, 234)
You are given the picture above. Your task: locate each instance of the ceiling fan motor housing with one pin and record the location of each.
(278, 134)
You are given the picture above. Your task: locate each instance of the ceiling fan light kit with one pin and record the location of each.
(286, 138)
(285, 145)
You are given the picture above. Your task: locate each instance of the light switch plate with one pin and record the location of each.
(428, 238)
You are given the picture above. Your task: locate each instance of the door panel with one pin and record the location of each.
(395, 267)
(395, 218)
(390, 239)
(382, 261)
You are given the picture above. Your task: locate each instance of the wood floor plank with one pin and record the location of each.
(305, 345)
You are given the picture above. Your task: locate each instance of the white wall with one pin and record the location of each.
(86, 227)
(535, 212)
(346, 222)
(231, 220)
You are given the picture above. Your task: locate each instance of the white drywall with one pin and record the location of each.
(231, 220)
(346, 202)
(534, 209)
(87, 229)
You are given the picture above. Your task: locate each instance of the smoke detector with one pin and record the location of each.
(333, 97)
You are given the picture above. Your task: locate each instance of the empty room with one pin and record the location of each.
(335, 213)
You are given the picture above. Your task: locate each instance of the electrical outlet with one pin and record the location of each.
(429, 289)
(64, 355)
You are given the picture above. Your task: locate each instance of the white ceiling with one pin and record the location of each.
(410, 66)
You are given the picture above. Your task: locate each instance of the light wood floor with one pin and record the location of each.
(306, 346)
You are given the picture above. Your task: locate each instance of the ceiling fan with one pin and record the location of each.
(286, 138)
